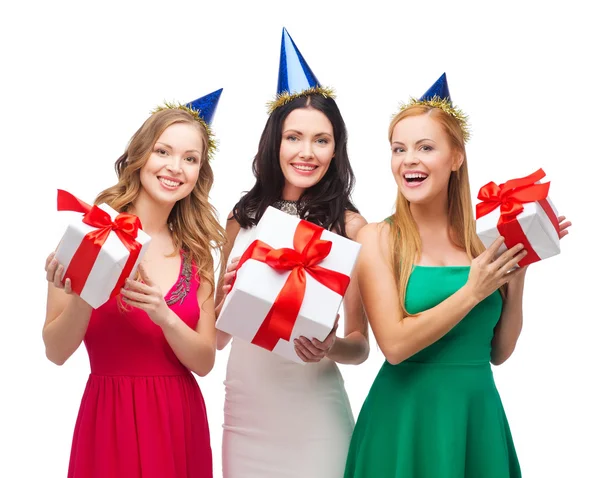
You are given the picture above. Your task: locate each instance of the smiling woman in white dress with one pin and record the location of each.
(283, 419)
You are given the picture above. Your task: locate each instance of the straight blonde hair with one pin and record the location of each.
(404, 235)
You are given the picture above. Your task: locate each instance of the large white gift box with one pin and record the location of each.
(266, 305)
(99, 251)
(521, 211)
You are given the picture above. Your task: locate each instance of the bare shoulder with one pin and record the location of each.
(354, 223)
(232, 227)
(374, 233)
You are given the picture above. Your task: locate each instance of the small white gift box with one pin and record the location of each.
(101, 250)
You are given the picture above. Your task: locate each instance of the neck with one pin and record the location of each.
(291, 193)
(153, 215)
(432, 216)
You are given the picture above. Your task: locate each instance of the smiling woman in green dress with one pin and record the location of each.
(432, 295)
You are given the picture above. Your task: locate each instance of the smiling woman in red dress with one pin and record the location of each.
(142, 414)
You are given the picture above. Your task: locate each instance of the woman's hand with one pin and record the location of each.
(148, 297)
(563, 226)
(228, 279)
(54, 272)
(489, 274)
(314, 350)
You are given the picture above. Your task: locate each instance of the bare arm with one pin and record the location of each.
(509, 327)
(353, 348)
(401, 337)
(195, 348)
(232, 229)
(67, 316)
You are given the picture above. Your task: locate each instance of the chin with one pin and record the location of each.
(307, 184)
(416, 198)
(304, 183)
(171, 199)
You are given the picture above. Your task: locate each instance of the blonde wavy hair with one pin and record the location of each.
(404, 235)
(193, 220)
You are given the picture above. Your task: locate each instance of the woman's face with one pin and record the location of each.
(306, 150)
(173, 167)
(422, 158)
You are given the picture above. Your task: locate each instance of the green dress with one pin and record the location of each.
(437, 414)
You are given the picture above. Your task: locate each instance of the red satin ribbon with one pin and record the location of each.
(125, 226)
(309, 250)
(510, 197)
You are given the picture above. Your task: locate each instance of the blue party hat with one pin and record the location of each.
(438, 96)
(295, 75)
(296, 79)
(206, 105)
(438, 90)
(203, 110)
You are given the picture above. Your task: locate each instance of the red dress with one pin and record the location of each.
(142, 414)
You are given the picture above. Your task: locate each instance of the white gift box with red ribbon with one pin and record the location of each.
(100, 250)
(290, 282)
(520, 211)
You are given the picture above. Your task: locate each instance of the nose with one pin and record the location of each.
(174, 165)
(307, 150)
(411, 158)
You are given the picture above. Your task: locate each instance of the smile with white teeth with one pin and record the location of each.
(169, 183)
(412, 177)
(304, 167)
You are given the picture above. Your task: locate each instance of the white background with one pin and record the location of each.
(79, 78)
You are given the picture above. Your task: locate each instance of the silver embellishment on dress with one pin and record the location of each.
(182, 287)
(289, 207)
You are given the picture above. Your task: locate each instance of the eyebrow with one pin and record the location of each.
(418, 142)
(171, 147)
(299, 133)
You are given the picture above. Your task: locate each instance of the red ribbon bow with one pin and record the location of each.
(510, 198)
(309, 250)
(125, 226)
(511, 195)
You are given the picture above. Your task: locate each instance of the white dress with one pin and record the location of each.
(282, 419)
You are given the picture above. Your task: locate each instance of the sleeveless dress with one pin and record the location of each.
(282, 419)
(437, 414)
(142, 414)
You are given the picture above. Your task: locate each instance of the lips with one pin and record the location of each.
(413, 179)
(304, 167)
(169, 183)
